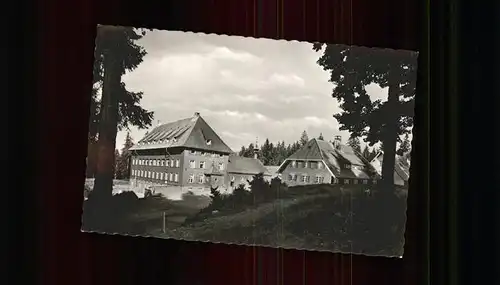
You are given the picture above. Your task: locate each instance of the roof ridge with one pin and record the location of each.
(320, 151)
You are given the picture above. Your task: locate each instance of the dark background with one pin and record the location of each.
(54, 66)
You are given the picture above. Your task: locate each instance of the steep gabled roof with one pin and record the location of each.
(334, 158)
(191, 132)
(245, 165)
(401, 168)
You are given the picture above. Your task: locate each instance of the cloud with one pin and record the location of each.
(243, 87)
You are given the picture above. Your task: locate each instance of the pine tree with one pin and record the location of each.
(354, 143)
(242, 151)
(115, 53)
(351, 70)
(321, 137)
(249, 151)
(405, 146)
(123, 171)
(266, 152)
(304, 138)
(116, 166)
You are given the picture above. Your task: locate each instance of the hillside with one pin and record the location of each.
(330, 220)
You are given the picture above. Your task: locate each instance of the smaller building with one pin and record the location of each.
(401, 168)
(322, 162)
(241, 170)
(273, 170)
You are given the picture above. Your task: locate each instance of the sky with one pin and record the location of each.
(246, 89)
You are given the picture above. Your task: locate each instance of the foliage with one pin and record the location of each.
(354, 143)
(273, 153)
(405, 146)
(123, 160)
(351, 70)
(240, 199)
(304, 138)
(130, 112)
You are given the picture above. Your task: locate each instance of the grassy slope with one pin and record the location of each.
(318, 219)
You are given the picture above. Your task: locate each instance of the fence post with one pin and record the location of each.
(164, 227)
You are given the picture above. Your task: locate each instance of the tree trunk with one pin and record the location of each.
(390, 135)
(107, 127)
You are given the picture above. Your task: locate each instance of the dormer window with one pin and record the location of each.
(347, 166)
(209, 142)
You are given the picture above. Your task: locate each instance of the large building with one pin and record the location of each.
(188, 154)
(323, 162)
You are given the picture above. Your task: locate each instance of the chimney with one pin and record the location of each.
(337, 142)
(196, 114)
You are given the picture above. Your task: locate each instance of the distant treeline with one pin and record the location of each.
(275, 153)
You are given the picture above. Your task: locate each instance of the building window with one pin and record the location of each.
(167, 163)
(319, 179)
(191, 178)
(192, 164)
(306, 164)
(162, 162)
(176, 177)
(305, 178)
(161, 176)
(346, 181)
(292, 177)
(294, 164)
(374, 181)
(171, 178)
(192, 152)
(201, 179)
(365, 181)
(209, 142)
(177, 163)
(320, 165)
(242, 179)
(232, 178)
(157, 175)
(347, 166)
(202, 164)
(166, 177)
(221, 166)
(355, 181)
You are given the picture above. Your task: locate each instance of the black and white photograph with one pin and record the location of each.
(249, 141)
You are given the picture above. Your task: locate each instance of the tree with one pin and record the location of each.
(351, 70)
(123, 165)
(405, 146)
(304, 138)
(266, 152)
(321, 137)
(354, 143)
(116, 166)
(242, 151)
(116, 53)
